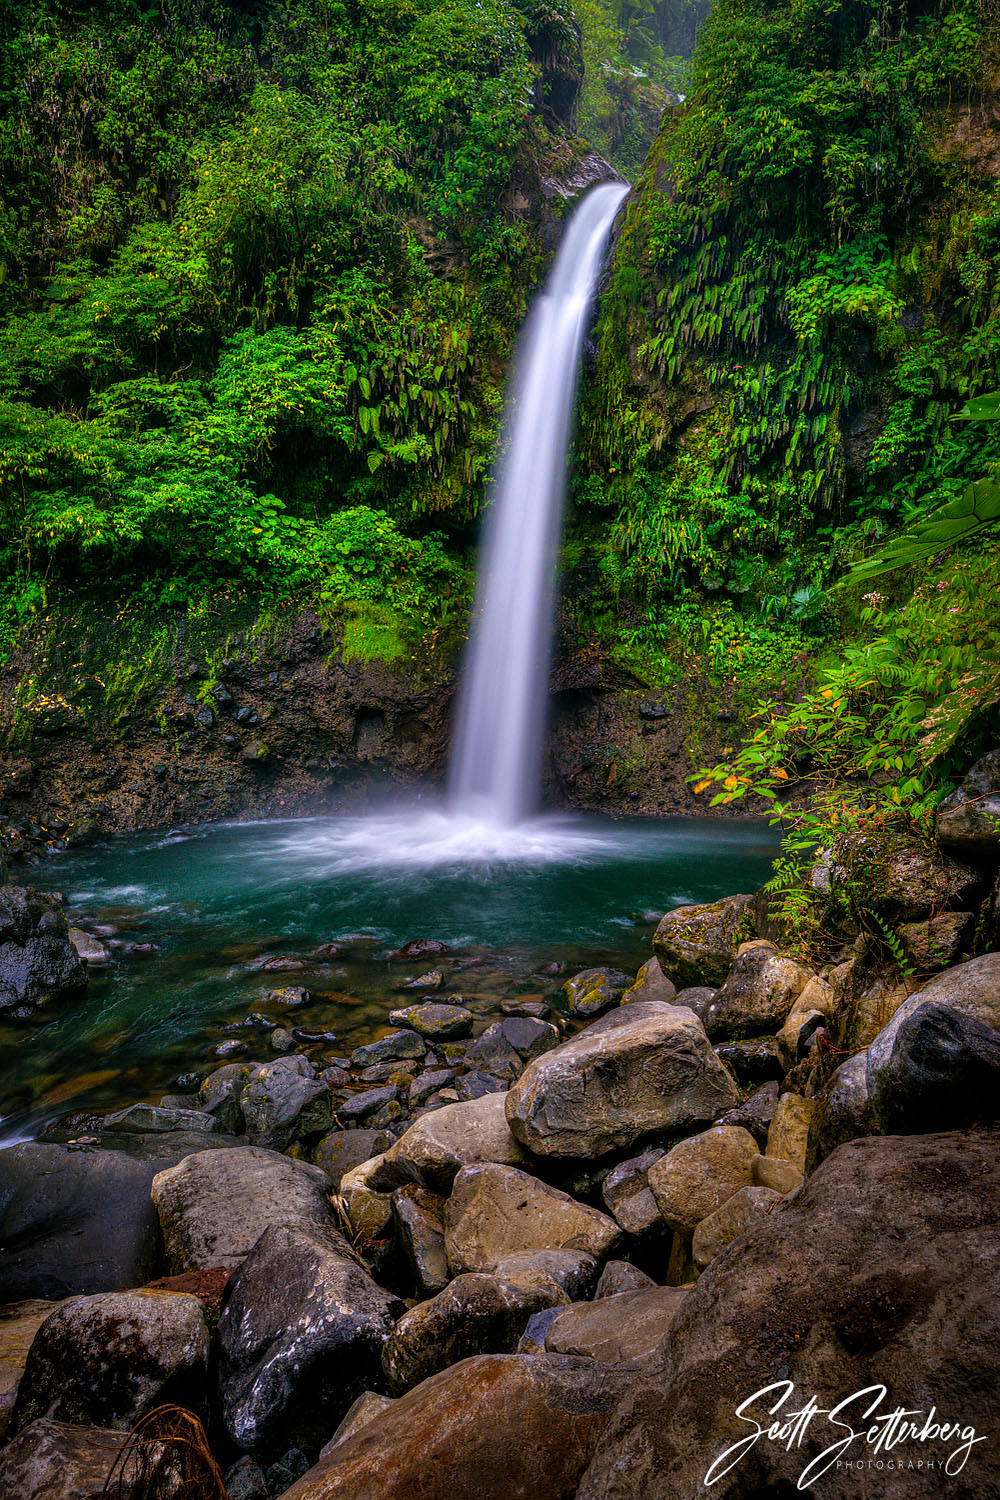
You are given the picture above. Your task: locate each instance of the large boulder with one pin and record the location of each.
(439, 1143)
(881, 1270)
(895, 877)
(475, 1314)
(969, 819)
(759, 993)
(74, 1222)
(696, 1176)
(300, 1337)
(642, 1068)
(696, 945)
(943, 1072)
(498, 1425)
(62, 1461)
(37, 960)
(625, 1328)
(284, 1101)
(105, 1361)
(215, 1206)
(496, 1211)
(972, 989)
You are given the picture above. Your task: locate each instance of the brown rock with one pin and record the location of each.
(59, 1461)
(738, 1214)
(788, 1133)
(621, 1329)
(496, 1211)
(696, 1176)
(19, 1322)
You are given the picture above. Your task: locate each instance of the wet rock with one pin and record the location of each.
(281, 1475)
(62, 1461)
(90, 949)
(367, 1408)
(284, 1101)
(396, 1047)
(900, 880)
(477, 1084)
(290, 995)
(642, 1068)
(366, 1105)
(972, 989)
(19, 1322)
(696, 945)
(833, 1297)
(221, 1092)
(419, 1216)
(426, 1084)
(755, 1114)
(594, 991)
(451, 1435)
(474, 1314)
(432, 980)
(214, 1207)
(699, 1175)
(151, 1119)
(74, 1222)
(627, 1327)
(245, 1480)
(572, 1270)
(433, 1149)
(107, 1360)
(419, 948)
(300, 1337)
(651, 984)
(697, 997)
(282, 1040)
(493, 1054)
(759, 993)
(753, 1061)
(495, 1211)
(37, 960)
(738, 1214)
(969, 818)
(938, 940)
(627, 1196)
(621, 1276)
(433, 1021)
(943, 1072)
(342, 1150)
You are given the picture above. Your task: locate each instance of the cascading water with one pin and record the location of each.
(497, 751)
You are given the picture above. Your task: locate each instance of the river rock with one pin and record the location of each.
(972, 989)
(368, 1406)
(595, 990)
(214, 1207)
(419, 1216)
(19, 1322)
(368, 1210)
(728, 1222)
(105, 1361)
(759, 993)
(37, 960)
(697, 997)
(572, 1270)
(755, 1114)
(938, 940)
(220, 1094)
(433, 1149)
(529, 1036)
(627, 1196)
(398, 1046)
(285, 1101)
(495, 1211)
(90, 949)
(754, 1061)
(776, 1173)
(882, 1270)
(368, 1105)
(497, 1425)
(342, 1150)
(493, 1054)
(74, 1222)
(621, 1276)
(969, 818)
(438, 1023)
(943, 1072)
(696, 945)
(61, 1461)
(843, 1110)
(151, 1119)
(626, 1328)
(300, 1337)
(642, 1068)
(698, 1175)
(475, 1314)
(814, 1007)
(651, 984)
(419, 948)
(788, 1132)
(426, 1085)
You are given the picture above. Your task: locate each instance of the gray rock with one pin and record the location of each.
(495, 1211)
(761, 989)
(593, 991)
(529, 1036)
(245, 1480)
(284, 1102)
(433, 1149)
(642, 1068)
(106, 1360)
(419, 1216)
(969, 819)
(301, 1335)
(626, 1328)
(62, 1461)
(475, 1314)
(843, 1110)
(943, 1072)
(754, 1114)
(626, 1193)
(697, 997)
(477, 1084)
(398, 1046)
(572, 1270)
(492, 1053)
(753, 1061)
(936, 942)
(151, 1119)
(426, 1084)
(215, 1206)
(90, 949)
(342, 1150)
(37, 960)
(435, 1021)
(652, 984)
(621, 1276)
(696, 945)
(366, 1104)
(972, 989)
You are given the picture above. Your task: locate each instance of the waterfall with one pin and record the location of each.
(497, 752)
